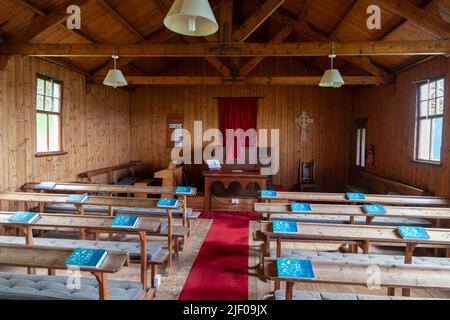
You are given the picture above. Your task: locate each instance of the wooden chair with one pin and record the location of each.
(171, 177)
(307, 177)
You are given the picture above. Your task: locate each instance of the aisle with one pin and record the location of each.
(220, 271)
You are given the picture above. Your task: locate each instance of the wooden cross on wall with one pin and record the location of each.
(304, 121)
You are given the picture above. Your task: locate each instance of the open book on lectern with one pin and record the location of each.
(214, 165)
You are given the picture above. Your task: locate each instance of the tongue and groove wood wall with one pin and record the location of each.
(391, 128)
(96, 124)
(104, 127)
(329, 140)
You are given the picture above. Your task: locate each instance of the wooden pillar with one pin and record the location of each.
(207, 196)
(410, 247)
(369, 220)
(28, 231)
(143, 238)
(102, 284)
(267, 246)
(290, 290)
(279, 246)
(153, 275)
(366, 247)
(184, 210)
(170, 240)
(437, 251)
(278, 255)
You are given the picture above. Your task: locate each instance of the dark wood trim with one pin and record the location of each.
(50, 154)
(427, 163)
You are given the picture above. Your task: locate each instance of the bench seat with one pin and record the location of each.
(178, 231)
(357, 189)
(154, 250)
(365, 258)
(311, 295)
(157, 212)
(129, 181)
(339, 219)
(34, 287)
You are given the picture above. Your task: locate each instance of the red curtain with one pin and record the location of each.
(238, 113)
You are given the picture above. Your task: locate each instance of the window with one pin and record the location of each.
(361, 132)
(48, 116)
(430, 120)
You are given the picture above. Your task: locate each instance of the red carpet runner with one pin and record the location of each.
(220, 271)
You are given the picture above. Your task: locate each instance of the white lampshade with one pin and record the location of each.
(115, 79)
(332, 79)
(191, 18)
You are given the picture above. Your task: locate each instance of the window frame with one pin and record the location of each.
(61, 151)
(420, 118)
(361, 126)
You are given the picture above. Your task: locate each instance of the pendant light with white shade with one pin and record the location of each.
(332, 78)
(115, 77)
(191, 18)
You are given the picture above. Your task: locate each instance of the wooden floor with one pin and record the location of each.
(172, 286)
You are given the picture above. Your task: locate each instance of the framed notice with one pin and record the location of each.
(175, 125)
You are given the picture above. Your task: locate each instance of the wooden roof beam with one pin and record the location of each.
(303, 28)
(226, 19)
(420, 59)
(417, 16)
(344, 19)
(226, 25)
(427, 8)
(253, 63)
(83, 36)
(42, 23)
(136, 69)
(280, 37)
(256, 19)
(363, 63)
(32, 7)
(359, 48)
(296, 80)
(160, 36)
(214, 61)
(122, 20)
(303, 14)
(66, 64)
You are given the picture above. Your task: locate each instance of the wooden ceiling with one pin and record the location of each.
(254, 22)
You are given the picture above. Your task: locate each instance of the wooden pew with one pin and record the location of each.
(356, 211)
(383, 185)
(110, 171)
(345, 273)
(94, 225)
(370, 199)
(30, 256)
(110, 202)
(362, 234)
(112, 189)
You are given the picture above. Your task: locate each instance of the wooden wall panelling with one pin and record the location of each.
(329, 142)
(391, 112)
(96, 125)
